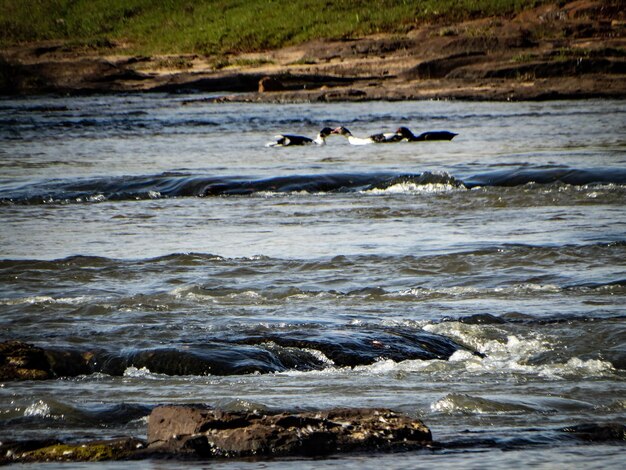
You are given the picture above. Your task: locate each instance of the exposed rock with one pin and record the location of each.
(201, 431)
(352, 347)
(69, 363)
(22, 361)
(243, 354)
(11, 451)
(93, 451)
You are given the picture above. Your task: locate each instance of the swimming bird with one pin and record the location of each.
(372, 139)
(405, 133)
(285, 140)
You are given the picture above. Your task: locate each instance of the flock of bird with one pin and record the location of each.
(402, 134)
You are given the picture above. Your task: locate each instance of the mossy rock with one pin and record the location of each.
(86, 452)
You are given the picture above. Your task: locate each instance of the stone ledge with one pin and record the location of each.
(202, 431)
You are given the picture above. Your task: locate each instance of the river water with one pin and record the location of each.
(478, 284)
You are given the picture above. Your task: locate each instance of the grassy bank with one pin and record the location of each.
(216, 27)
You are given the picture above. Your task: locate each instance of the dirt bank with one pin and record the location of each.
(563, 50)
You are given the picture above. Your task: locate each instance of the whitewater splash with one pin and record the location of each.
(505, 353)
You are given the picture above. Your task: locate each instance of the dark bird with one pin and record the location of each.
(406, 134)
(285, 140)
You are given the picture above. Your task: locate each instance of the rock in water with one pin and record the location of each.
(23, 361)
(204, 431)
(92, 451)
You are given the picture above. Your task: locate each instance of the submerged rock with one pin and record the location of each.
(598, 432)
(351, 347)
(233, 354)
(202, 431)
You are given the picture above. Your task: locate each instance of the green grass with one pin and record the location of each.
(212, 27)
(525, 57)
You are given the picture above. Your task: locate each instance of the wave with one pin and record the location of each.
(570, 176)
(518, 269)
(460, 403)
(32, 417)
(97, 414)
(193, 185)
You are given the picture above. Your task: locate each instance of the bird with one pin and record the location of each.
(406, 134)
(285, 140)
(372, 139)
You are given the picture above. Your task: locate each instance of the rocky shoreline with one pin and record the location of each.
(557, 51)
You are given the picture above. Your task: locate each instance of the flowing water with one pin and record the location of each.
(477, 284)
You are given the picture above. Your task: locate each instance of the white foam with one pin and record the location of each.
(461, 355)
(503, 352)
(389, 366)
(578, 368)
(528, 287)
(278, 194)
(382, 367)
(420, 292)
(40, 409)
(45, 299)
(134, 372)
(320, 356)
(460, 291)
(38, 299)
(186, 292)
(507, 353)
(444, 405)
(404, 188)
(144, 420)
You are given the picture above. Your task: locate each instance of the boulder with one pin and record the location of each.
(202, 431)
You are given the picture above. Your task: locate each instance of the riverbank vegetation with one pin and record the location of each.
(210, 27)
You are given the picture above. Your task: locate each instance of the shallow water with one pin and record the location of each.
(478, 284)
